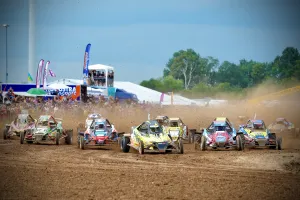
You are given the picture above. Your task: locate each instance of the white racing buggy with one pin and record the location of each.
(90, 119)
(282, 125)
(22, 123)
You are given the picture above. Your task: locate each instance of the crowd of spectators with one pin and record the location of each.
(98, 78)
(12, 104)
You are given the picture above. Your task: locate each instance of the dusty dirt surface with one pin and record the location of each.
(66, 172)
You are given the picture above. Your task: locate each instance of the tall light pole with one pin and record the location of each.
(6, 26)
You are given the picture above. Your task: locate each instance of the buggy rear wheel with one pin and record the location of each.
(279, 143)
(69, 137)
(239, 143)
(78, 141)
(191, 137)
(203, 143)
(57, 138)
(81, 143)
(197, 140)
(5, 131)
(124, 144)
(297, 132)
(22, 137)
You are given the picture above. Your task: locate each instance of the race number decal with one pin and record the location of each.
(174, 133)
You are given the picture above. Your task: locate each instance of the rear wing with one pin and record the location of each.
(126, 134)
(194, 131)
(121, 134)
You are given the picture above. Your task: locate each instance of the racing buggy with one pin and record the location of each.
(48, 129)
(90, 119)
(176, 127)
(257, 135)
(100, 133)
(150, 137)
(23, 123)
(220, 135)
(283, 125)
(163, 120)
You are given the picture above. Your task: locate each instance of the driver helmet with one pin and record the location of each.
(257, 126)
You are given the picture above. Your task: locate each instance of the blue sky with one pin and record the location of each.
(138, 37)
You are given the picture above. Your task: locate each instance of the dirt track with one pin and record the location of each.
(65, 172)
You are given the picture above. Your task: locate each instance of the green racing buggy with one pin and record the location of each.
(48, 129)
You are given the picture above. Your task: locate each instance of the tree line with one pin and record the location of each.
(189, 73)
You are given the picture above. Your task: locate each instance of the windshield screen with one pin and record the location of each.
(155, 129)
(220, 128)
(258, 126)
(99, 125)
(174, 124)
(22, 121)
(43, 123)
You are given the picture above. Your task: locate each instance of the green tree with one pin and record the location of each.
(231, 73)
(171, 84)
(201, 87)
(297, 70)
(285, 66)
(153, 84)
(210, 66)
(258, 73)
(166, 84)
(223, 87)
(184, 65)
(246, 79)
(190, 72)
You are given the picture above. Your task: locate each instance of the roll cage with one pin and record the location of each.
(104, 122)
(256, 125)
(24, 119)
(49, 121)
(152, 127)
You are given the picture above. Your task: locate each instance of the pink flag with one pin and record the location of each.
(38, 74)
(51, 73)
(45, 74)
(162, 97)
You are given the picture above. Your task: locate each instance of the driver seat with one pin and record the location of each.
(52, 125)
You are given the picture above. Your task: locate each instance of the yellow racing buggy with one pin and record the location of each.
(150, 137)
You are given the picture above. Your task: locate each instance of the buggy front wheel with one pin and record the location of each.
(141, 148)
(57, 138)
(180, 146)
(22, 137)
